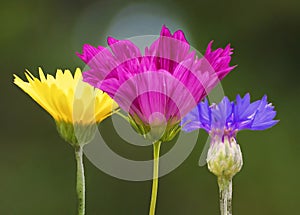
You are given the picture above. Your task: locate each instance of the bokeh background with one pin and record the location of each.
(37, 166)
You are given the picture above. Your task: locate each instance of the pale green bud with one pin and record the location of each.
(224, 158)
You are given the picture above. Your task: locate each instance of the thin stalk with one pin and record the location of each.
(122, 115)
(156, 150)
(80, 182)
(225, 188)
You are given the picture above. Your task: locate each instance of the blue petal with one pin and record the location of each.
(244, 112)
(198, 118)
(240, 115)
(221, 113)
(264, 116)
(265, 125)
(205, 114)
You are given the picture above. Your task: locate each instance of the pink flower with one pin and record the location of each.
(160, 86)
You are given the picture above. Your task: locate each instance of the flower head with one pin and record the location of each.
(162, 85)
(227, 118)
(69, 100)
(222, 121)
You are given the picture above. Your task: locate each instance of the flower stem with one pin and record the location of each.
(80, 184)
(156, 149)
(225, 187)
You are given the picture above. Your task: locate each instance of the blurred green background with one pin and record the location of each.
(38, 167)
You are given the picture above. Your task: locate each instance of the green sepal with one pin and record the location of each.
(155, 133)
(76, 134)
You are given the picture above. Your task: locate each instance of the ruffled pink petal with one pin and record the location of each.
(89, 52)
(168, 79)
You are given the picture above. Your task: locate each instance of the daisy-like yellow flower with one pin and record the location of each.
(75, 106)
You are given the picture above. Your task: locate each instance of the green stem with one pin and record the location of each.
(156, 149)
(225, 187)
(121, 115)
(80, 184)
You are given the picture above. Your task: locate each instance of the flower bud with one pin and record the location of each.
(224, 158)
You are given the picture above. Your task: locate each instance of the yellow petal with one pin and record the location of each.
(66, 97)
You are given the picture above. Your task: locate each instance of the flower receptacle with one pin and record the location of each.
(76, 134)
(163, 132)
(224, 159)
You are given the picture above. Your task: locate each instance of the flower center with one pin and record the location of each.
(220, 134)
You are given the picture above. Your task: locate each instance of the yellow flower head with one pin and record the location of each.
(68, 99)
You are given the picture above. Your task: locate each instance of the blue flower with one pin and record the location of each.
(227, 118)
(222, 121)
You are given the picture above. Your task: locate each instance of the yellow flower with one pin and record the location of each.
(70, 101)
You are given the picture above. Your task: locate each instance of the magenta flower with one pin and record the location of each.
(162, 85)
(158, 87)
